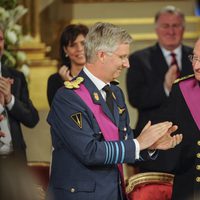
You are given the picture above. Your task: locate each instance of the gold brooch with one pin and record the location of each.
(96, 96)
(74, 84)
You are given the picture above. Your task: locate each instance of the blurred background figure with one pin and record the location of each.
(16, 108)
(72, 57)
(150, 76)
(17, 183)
(154, 69)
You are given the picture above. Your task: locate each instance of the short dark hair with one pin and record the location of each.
(69, 35)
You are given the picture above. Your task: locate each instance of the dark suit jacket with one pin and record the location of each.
(54, 83)
(145, 80)
(79, 170)
(22, 111)
(183, 160)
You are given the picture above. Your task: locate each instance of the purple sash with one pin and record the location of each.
(191, 92)
(109, 130)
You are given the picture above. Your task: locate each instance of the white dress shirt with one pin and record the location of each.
(168, 58)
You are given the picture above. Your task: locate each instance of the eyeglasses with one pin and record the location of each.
(194, 58)
(123, 58)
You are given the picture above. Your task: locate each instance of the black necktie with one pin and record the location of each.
(174, 62)
(109, 98)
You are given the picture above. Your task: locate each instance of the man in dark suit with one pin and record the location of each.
(16, 108)
(184, 110)
(153, 70)
(90, 128)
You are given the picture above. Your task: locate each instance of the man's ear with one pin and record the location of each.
(101, 56)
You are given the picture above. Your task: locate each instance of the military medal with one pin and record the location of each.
(96, 96)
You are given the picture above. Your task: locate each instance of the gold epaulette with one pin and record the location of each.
(183, 78)
(114, 82)
(74, 84)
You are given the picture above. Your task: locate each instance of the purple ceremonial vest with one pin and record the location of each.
(191, 92)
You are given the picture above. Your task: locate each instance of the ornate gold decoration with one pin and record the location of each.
(148, 177)
(183, 78)
(74, 84)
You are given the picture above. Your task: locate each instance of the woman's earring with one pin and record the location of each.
(66, 55)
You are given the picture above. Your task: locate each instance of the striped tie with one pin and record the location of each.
(174, 62)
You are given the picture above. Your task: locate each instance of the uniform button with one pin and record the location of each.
(198, 179)
(72, 190)
(198, 142)
(125, 129)
(198, 167)
(198, 155)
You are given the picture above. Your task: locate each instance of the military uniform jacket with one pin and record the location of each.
(80, 165)
(184, 160)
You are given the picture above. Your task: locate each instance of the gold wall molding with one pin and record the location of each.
(143, 36)
(129, 21)
(109, 1)
(152, 36)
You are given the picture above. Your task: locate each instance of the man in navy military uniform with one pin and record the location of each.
(90, 125)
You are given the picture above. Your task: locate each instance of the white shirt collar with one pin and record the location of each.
(177, 51)
(166, 52)
(98, 83)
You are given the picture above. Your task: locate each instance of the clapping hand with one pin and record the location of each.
(158, 136)
(167, 141)
(5, 89)
(170, 77)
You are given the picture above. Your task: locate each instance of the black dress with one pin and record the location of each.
(54, 83)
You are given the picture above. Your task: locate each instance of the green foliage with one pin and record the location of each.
(8, 4)
(10, 13)
(12, 32)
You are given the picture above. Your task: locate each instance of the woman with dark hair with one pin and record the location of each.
(72, 57)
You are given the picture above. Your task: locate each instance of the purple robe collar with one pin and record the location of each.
(191, 92)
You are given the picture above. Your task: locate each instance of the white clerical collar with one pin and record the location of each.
(98, 83)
